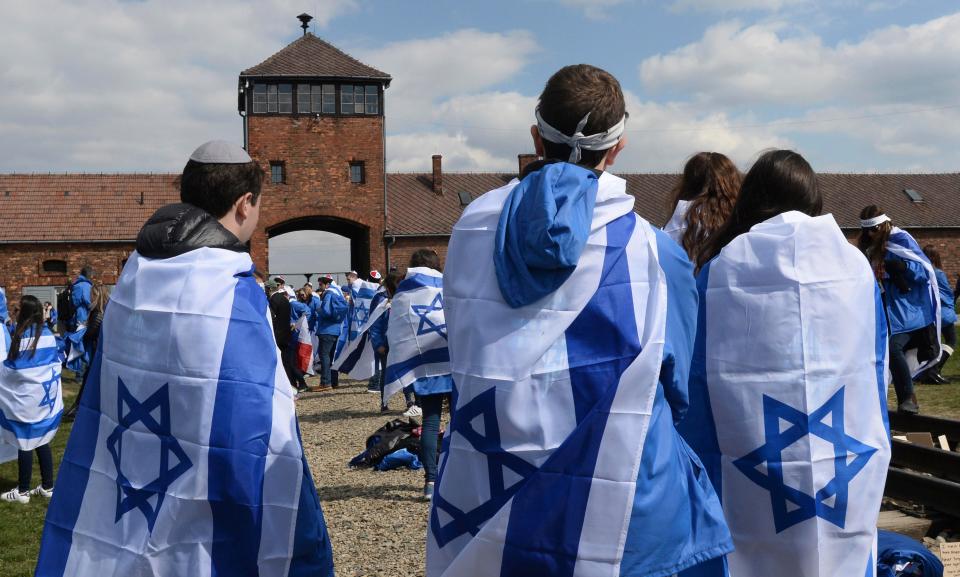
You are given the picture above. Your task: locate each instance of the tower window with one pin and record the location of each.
(278, 173)
(373, 100)
(303, 98)
(259, 98)
(329, 99)
(286, 98)
(357, 172)
(351, 99)
(271, 98)
(54, 266)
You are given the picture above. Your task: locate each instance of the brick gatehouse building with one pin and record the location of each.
(313, 117)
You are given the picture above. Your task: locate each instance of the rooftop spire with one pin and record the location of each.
(304, 22)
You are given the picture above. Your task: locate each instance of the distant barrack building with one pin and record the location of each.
(313, 117)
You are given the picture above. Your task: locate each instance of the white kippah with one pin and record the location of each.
(875, 221)
(220, 152)
(579, 141)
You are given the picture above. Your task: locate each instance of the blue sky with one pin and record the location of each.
(854, 85)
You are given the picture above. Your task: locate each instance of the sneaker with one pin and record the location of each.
(373, 389)
(413, 411)
(384, 410)
(41, 492)
(15, 496)
(428, 491)
(908, 407)
(320, 389)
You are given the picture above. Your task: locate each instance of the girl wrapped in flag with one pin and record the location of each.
(30, 401)
(185, 457)
(571, 322)
(788, 401)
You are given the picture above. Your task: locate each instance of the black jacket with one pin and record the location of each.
(176, 229)
(280, 309)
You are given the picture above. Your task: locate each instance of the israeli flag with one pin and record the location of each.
(361, 297)
(8, 452)
(561, 457)
(788, 404)
(30, 401)
(357, 359)
(417, 332)
(904, 246)
(185, 457)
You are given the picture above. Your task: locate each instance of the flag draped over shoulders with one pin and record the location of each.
(30, 398)
(925, 306)
(788, 400)
(185, 457)
(677, 225)
(417, 336)
(562, 458)
(357, 358)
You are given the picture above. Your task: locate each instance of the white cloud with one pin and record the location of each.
(101, 85)
(732, 5)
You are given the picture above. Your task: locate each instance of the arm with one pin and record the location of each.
(378, 332)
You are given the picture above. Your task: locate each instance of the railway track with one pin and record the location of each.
(924, 475)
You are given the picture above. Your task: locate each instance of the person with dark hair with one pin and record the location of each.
(787, 387)
(378, 338)
(78, 358)
(948, 319)
(911, 299)
(281, 312)
(333, 311)
(30, 401)
(702, 200)
(91, 338)
(570, 322)
(185, 457)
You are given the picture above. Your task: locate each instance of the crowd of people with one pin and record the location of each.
(624, 399)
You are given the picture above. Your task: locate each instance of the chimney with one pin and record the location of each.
(437, 174)
(522, 161)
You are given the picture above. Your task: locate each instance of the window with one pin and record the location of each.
(373, 100)
(465, 198)
(259, 98)
(286, 98)
(346, 99)
(303, 99)
(277, 173)
(272, 98)
(54, 266)
(329, 104)
(357, 173)
(913, 195)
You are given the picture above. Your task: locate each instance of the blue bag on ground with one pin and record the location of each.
(901, 556)
(397, 459)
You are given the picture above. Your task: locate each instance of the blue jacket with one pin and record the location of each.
(81, 299)
(297, 309)
(908, 311)
(328, 323)
(378, 330)
(3, 306)
(314, 312)
(948, 313)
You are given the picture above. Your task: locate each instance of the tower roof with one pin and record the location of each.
(311, 56)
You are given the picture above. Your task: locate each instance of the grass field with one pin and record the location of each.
(21, 526)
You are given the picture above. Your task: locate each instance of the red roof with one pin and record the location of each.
(311, 56)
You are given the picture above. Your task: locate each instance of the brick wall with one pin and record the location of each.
(403, 248)
(317, 152)
(21, 264)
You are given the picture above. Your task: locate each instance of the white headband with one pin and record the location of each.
(578, 142)
(875, 221)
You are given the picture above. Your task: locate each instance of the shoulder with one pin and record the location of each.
(673, 259)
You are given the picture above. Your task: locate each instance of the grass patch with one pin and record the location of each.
(938, 400)
(22, 525)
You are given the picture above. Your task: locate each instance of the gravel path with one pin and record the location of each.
(377, 521)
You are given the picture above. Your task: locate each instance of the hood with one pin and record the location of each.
(542, 231)
(176, 229)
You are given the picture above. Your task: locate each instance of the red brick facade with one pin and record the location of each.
(23, 264)
(317, 194)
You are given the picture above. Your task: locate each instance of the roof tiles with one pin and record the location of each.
(311, 56)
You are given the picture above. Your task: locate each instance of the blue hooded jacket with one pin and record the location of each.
(3, 306)
(948, 313)
(328, 323)
(81, 299)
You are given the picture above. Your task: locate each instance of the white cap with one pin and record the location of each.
(220, 152)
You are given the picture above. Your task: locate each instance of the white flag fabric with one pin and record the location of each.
(557, 403)
(361, 297)
(788, 404)
(185, 457)
(8, 452)
(417, 332)
(677, 224)
(31, 403)
(357, 359)
(904, 246)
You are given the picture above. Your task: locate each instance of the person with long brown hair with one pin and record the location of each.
(910, 298)
(703, 200)
(948, 319)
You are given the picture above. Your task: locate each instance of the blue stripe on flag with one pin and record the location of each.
(312, 553)
(418, 281)
(351, 361)
(40, 358)
(64, 509)
(240, 434)
(394, 372)
(546, 516)
(30, 430)
(881, 351)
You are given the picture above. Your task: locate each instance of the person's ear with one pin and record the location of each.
(537, 140)
(243, 206)
(612, 154)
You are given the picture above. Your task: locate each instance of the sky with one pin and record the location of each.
(853, 85)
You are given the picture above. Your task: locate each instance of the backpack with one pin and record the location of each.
(66, 312)
(338, 306)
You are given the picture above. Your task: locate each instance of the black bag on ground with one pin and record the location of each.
(393, 436)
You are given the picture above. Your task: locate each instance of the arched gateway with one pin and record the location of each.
(313, 118)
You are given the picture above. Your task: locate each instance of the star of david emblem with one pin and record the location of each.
(427, 325)
(792, 506)
(128, 496)
(50, 391)
(362, 313)
(498, 459)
